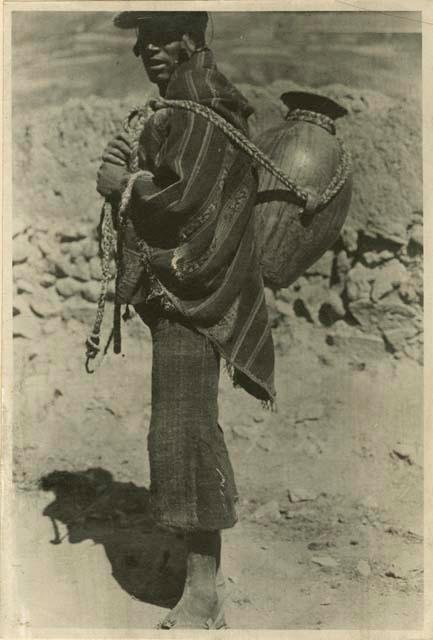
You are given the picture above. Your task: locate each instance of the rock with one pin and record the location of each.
(323, 266)
(44, 247)
(408, 292)
(95, 268)
(265, 443)
(373, 258)
(47, 280)
(45, 308)
(397, 338)
(52, 325)
(319, 546)
(269, 511)
(395, 573)
(23, 286)
(73, 235)
(91, 291)
(242, 431)
(285, 309)
(80, 310)
(394, 315)
(415, 352)
(36, 351)
(309, 300)
(343, 265)
(287, 295)
(19, 226)
(336, 303)
(68, 287)
(363, 569)
(81, 270)
(300, 494)
(20, 306)
(77, 327)
(345, 337)
(332, 309)
(20, 250)
(309, 409)
(74, 249)
(411, 290)
(25, 326)
(274, 316)
(416, 235)
(325, 561)
(388, 278)
(406, 452)
(59, 265)
(404, 257)
(89, 248)
(358, 284)
(349, 237)
(376, 318)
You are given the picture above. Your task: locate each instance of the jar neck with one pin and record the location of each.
(302, 115)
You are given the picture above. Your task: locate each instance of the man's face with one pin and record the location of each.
(160, 53)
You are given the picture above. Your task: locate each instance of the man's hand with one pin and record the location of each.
(118, 151)
(111, 179)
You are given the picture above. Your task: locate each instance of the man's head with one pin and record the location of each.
(164, 39)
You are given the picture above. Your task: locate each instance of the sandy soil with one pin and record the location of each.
(330, 531)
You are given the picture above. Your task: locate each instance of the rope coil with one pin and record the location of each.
(109, 215)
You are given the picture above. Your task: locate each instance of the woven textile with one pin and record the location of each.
(192, 485)
(194, 222)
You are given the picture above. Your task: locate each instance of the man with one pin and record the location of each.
(201, 291)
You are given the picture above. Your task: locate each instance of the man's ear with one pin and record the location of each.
(189, 44)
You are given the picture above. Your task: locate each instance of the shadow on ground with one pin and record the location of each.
(147, 563)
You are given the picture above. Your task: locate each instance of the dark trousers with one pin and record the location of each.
(192, 483)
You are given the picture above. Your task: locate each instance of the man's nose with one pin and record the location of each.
(151, 48)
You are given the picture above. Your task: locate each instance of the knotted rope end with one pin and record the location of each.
(312, 201)
(92, 350)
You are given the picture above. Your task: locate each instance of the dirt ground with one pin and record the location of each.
(330, 531)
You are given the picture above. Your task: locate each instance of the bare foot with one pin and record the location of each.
(197, 609)
(202, 601)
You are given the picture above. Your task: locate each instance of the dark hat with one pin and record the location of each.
(183, 21)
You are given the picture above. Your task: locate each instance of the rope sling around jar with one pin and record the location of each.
(309, 201)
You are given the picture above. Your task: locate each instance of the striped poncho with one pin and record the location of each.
(192, 215)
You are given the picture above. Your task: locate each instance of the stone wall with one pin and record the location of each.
(368, 289)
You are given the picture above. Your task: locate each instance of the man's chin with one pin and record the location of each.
(158, 77)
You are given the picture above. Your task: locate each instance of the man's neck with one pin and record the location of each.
(162, 88)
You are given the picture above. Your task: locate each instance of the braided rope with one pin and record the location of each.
(108, 243)
(312, 117)
(312, 202)
(106, 250)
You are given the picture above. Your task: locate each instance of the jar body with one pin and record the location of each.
(289, 241)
